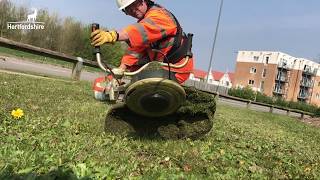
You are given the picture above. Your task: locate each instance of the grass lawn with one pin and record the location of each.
(61, 136)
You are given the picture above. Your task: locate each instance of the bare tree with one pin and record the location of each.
(5, 12)
(19, 14)
(70, 39)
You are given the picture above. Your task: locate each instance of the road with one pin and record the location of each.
(15, 64)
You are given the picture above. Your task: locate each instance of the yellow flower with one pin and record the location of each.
(17, 114)
(222, 152)
(307, 169)
(241, 162)
(167, 159)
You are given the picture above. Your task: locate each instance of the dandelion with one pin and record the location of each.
(17, 114)
(241, 162)
(167, 159)
(307, 169)
(222, 152)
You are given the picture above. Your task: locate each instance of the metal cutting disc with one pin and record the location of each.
(154, 97)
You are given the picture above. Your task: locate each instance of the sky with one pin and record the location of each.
(289, 26)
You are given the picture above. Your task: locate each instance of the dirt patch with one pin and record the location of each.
(314, 121)
(193, 120)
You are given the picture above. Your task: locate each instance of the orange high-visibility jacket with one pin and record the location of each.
(157, 24)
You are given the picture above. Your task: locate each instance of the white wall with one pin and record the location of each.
(261, 57)
(192, 77)
(276, 58)
(225, 81)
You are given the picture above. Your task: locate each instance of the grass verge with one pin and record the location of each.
(61, 136)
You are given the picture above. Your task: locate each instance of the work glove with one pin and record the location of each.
(99, 37)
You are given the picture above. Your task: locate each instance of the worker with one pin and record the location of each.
(157, 36)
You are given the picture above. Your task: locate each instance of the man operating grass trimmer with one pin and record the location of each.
(157, 36)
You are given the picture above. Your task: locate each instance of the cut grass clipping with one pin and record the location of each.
(194, 119)
(61, 135)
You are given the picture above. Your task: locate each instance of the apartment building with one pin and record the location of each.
(277, 74)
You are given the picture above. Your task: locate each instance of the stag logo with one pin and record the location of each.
(33, 17)
(30, 24)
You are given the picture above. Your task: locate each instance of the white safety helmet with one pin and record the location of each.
(124, 3)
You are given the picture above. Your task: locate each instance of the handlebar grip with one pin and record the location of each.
(95, 26)
(189, 45)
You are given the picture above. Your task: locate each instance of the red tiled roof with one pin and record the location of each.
(199, 73)
(217, 75)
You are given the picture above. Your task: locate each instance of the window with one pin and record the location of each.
(317, 96)
(253, 70)
(267, 60)
(264, 72)
(307, 68)
(262, 86)
(251, 82)
(278, 88)
(256, 58)
(319, 83)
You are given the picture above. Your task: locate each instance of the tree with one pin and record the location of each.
(5, 16)
(67, 36)
(70, 37)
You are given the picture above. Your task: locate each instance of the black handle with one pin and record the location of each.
(189, 44)
(94, 27)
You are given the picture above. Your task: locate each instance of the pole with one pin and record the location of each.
(215, 38)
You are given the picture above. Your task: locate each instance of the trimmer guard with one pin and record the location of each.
(154, 97)
(153, 94)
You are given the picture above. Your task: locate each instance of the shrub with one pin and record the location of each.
(248, 93)
(281, 102)
(303, 106)
(263, 98)
(317, 112)
(245, 93)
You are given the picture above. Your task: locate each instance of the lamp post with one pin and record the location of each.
(215, 38)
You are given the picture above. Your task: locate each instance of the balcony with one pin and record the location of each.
(306, 83)
(278, 91)
(284, 65)
(309, 71)
(281, 78)
(303, 96)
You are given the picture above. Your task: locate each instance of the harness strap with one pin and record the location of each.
(177, 38)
